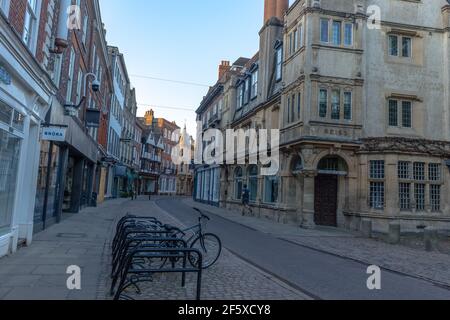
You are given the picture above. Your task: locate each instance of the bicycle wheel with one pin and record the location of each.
(209, 246)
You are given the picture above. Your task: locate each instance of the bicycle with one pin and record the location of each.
(209, 245)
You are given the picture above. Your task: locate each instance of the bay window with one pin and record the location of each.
(377, 184)
(341, 32)
(323, 103)
(324, 33)
(335, 104)
(337, 26)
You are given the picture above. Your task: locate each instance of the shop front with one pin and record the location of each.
(67, 166)
(207, 185)
(26, 93)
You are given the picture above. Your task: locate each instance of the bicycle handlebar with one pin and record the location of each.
(203, 216)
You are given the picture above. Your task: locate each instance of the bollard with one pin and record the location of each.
(430, 238)
(394, 233)
(366, 228)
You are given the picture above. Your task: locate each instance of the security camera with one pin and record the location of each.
(95, 85)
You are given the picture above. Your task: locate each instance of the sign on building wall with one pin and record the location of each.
(54, 133)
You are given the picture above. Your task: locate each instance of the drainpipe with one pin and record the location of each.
(62, 33)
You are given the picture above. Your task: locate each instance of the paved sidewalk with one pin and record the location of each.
(38, 272)
(418, 263)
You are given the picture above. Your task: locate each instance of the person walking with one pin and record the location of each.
(246, 201)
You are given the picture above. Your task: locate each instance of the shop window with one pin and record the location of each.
(238, 183)
(253, 182)
(6, 113)
(9, 160)
(271, 189)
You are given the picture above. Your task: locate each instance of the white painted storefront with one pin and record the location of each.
(26, 93)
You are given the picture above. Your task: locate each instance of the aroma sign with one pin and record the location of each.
(54, 134)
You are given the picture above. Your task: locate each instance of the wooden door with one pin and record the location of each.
(326, 198)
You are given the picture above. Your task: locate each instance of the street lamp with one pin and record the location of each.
(72, 109)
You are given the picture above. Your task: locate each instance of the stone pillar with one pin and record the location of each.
(308, 200)
(392, 202)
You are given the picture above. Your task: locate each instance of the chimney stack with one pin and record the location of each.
(282, 8)
(275, 8)
(149, 116)
(224, 67)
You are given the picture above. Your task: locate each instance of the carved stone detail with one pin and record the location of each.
(422, 146)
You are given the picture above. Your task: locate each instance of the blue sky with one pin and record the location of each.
(182, 40)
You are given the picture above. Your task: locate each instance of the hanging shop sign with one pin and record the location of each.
(54, 133)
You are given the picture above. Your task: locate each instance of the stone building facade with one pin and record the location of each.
(184, 170)
(362, 110)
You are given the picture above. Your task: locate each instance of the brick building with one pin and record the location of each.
(76, 173)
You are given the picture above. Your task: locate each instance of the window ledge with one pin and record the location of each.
(337, 48)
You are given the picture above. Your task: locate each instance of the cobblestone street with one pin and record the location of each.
(39, 272)
(415, 262)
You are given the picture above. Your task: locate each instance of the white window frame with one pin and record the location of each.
(79, 85)
(33, 15)
(70, 75)
(4, 6)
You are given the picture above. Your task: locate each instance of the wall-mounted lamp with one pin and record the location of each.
(72, 109)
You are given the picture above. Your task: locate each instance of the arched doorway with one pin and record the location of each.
(330, 169)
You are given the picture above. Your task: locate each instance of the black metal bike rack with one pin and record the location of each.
(131, 276)
(143, 247)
